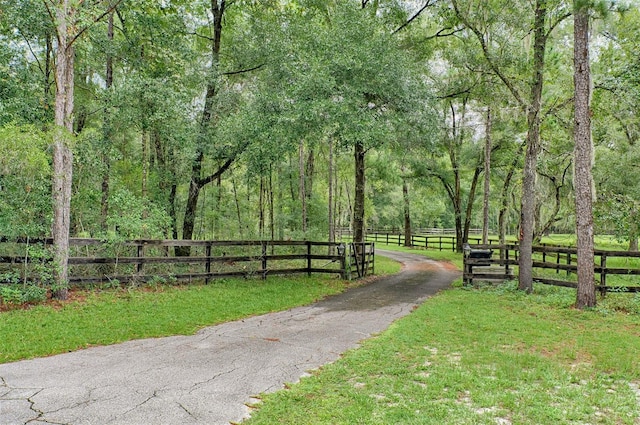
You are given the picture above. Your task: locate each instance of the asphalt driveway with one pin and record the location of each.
(208, 378)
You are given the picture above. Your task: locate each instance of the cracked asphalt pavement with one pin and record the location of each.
(210, 377)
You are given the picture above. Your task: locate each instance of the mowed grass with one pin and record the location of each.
(479, 356)
(109, 317)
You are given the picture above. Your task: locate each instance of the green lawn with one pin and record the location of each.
(109, 317)
(482, 356)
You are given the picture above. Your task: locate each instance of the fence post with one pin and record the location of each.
(568, 262)
(373, 258)
(342, 252)
(207, 266)
(507, 270)
(364, 258)
(468, 272)
(140, 254)
(603, 274)
(308, 258)
(264, 260)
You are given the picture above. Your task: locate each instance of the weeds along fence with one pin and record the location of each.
(94, 261)
(615, 271)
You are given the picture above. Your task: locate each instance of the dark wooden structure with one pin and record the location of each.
(94, 261)
(559, 261)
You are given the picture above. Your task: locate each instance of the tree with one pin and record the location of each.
(542, 27)
(616, 126)
(487, 178)
(586, 294)
(65, 15)
(341, 76)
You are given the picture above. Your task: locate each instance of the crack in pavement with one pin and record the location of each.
(139, 405)
(209, 377)
(32, 405)
(198, 385)
(186, 410)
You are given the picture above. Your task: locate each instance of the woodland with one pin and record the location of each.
(289, 119)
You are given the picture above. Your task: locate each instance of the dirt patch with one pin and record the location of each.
(430, 266)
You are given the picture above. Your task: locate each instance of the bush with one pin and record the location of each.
(19, 294)
(33, 294)
(10, 294)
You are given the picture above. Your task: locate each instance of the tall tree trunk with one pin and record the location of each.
(107, 132)
(309, 175)
(349, 212)
(172, 209)
(261, 208)
(217, 211)
(145, 174)
(332, 233)
(292, 179)
(302, 188)
(586, 294)
(197, 182)
(407, 213)
(487, 178)
(504, 195)
(358, 206)
(527, 214)
(272, 219)
(237, 202)
(337, 204)
(470, 199)
(62, 154)
(47, 69)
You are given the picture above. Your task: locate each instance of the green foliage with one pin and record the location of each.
(24, 181)
(22, 294)
(135, 218)
(10, 294)
(311, 72)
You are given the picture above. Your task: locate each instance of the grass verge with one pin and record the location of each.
(109, 317)
(480, 356)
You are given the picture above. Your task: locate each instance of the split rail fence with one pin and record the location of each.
(94, 261)
(615, 271)
(440, 242)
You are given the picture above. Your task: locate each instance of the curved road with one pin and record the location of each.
(208, 378)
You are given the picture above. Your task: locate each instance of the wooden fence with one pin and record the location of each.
(94, 261)
(427, 241)
(561, 261)
(422, 231)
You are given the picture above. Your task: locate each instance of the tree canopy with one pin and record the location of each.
(292, 118)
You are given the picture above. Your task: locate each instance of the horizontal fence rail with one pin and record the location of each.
(416, 231)
(94, 261)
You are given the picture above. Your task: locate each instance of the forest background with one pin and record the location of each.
(288, 119)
